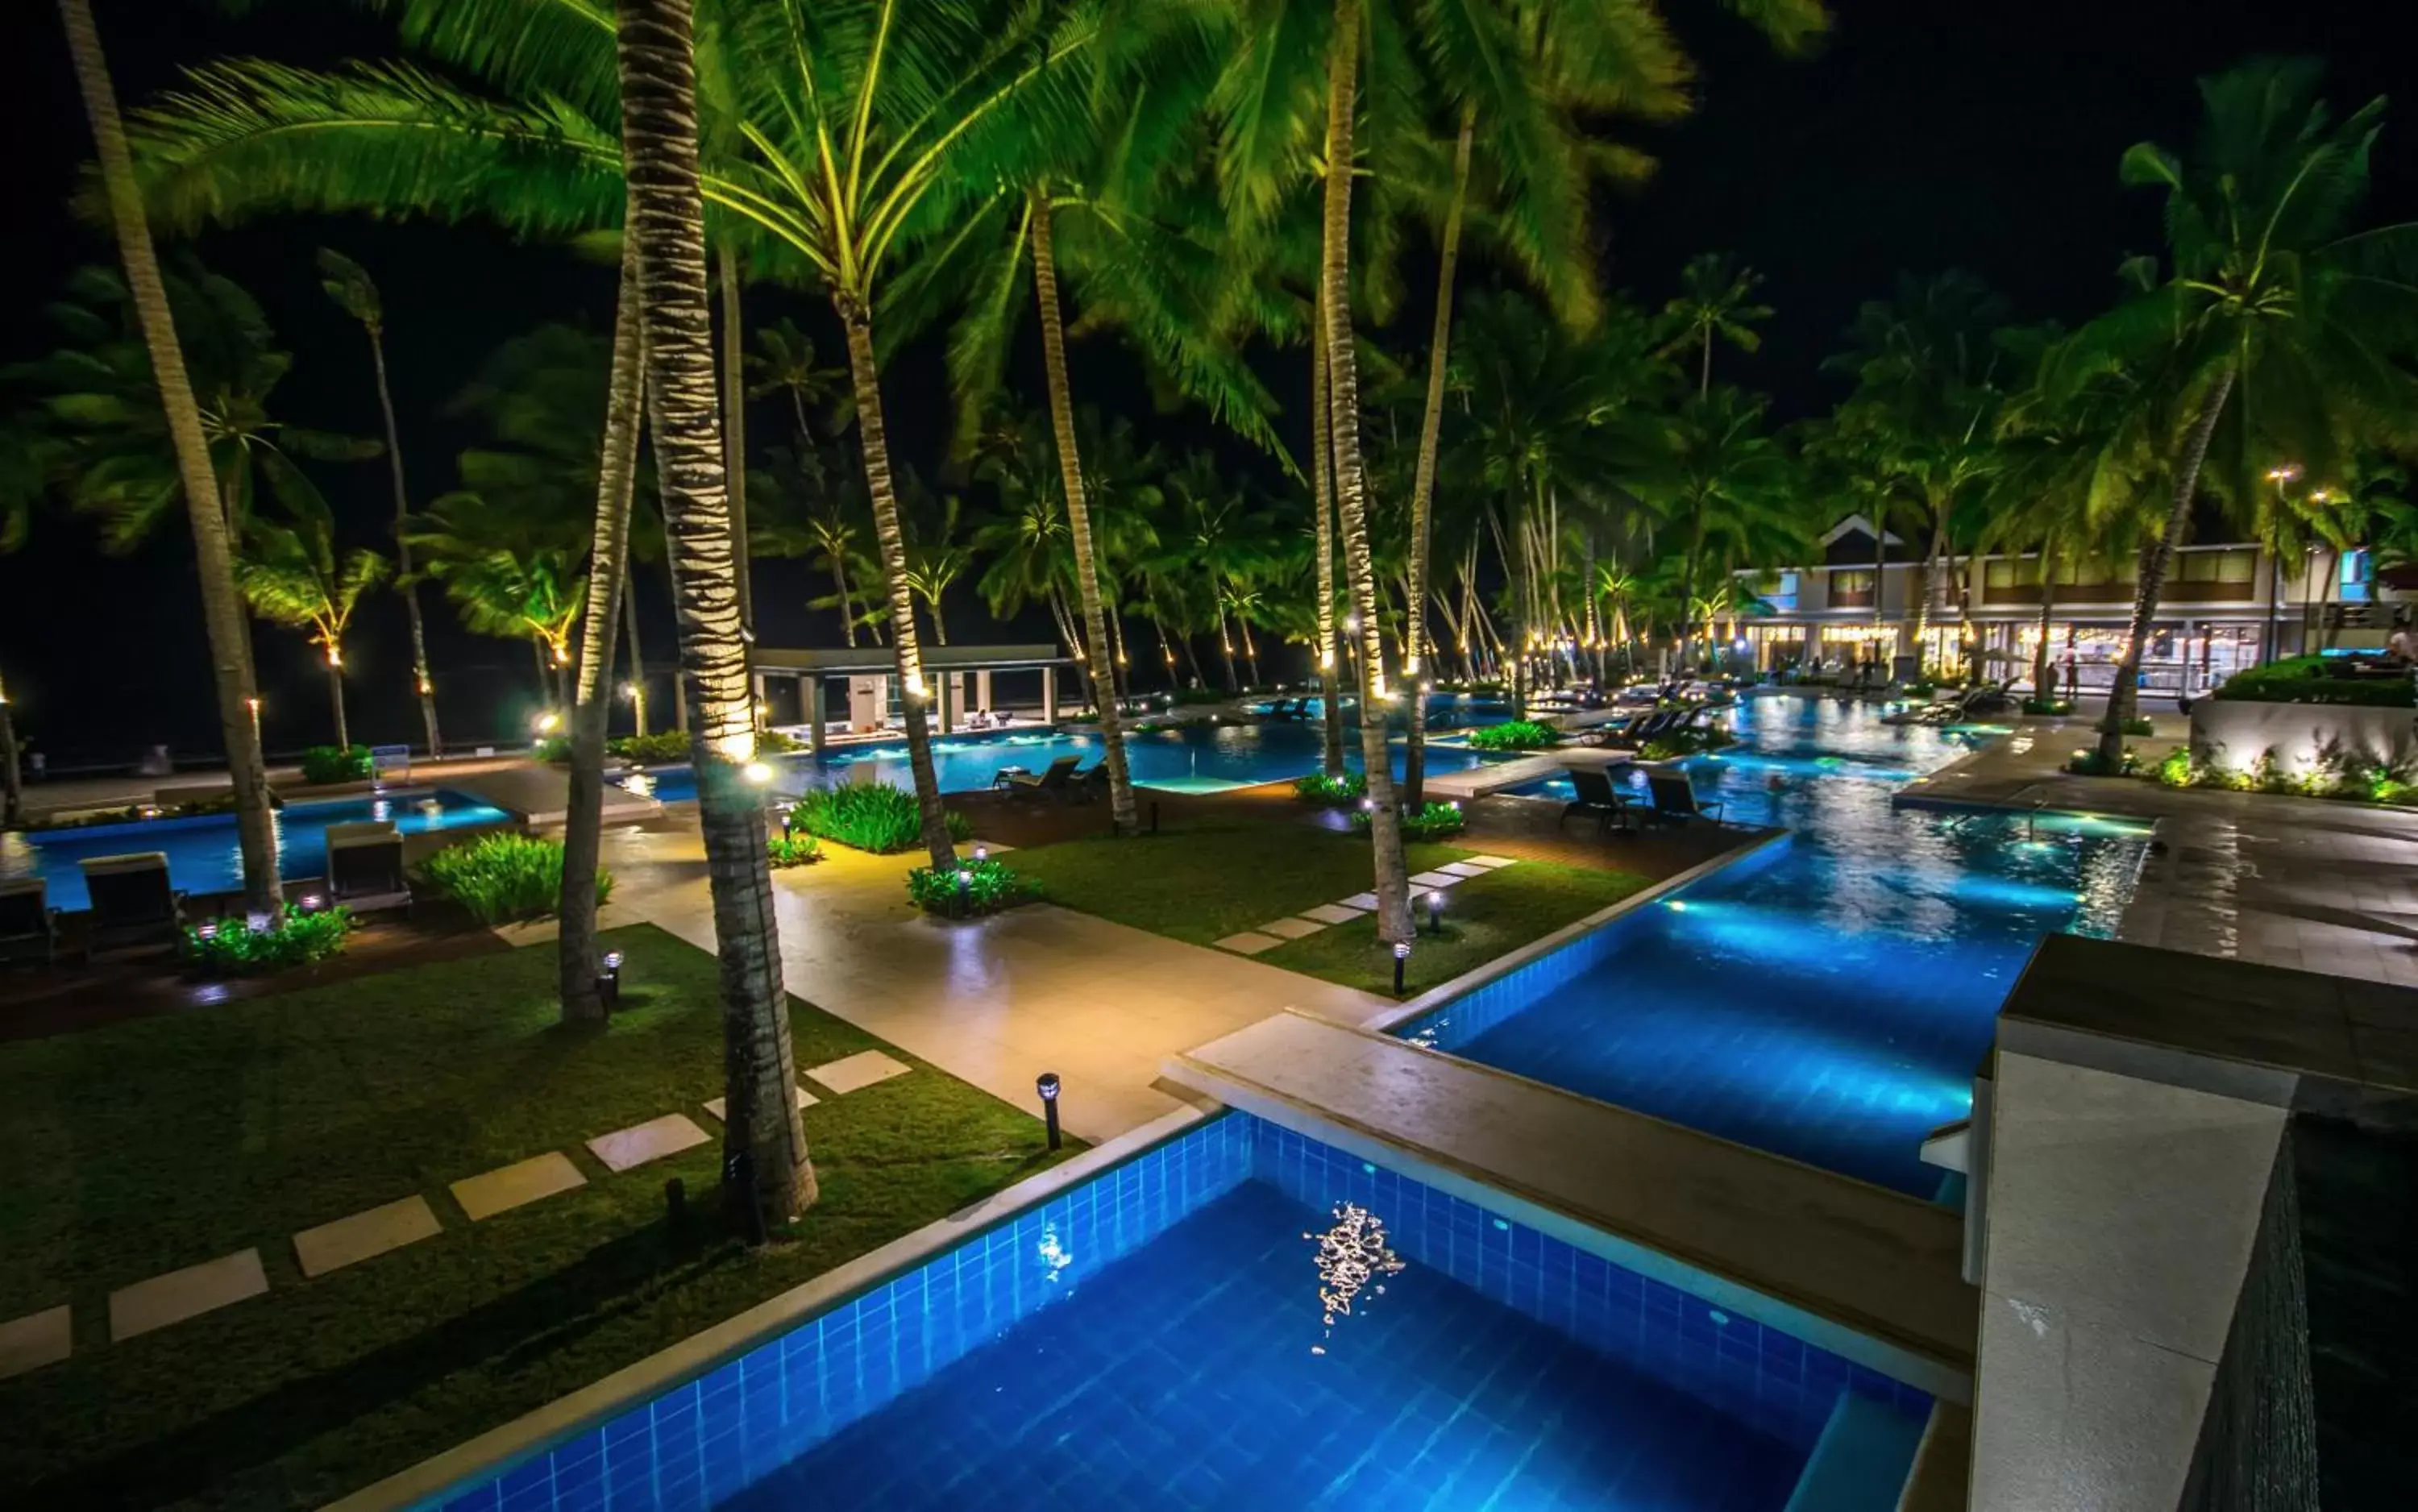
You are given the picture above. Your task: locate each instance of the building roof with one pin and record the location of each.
(869, 659)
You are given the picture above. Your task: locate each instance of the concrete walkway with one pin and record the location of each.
(994, 1001)
(2302, 883)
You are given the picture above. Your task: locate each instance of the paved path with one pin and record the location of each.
(994, 1001)
(2303, 882)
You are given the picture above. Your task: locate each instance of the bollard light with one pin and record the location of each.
(609, 982)
(1436, 912)
(757, 773)
(982, 853)
(311, 902)
(1047, 1085)
(1401, 957)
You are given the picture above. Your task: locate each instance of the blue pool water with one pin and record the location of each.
(203, 854)
(1830, 1000)
(1154, 1338)
(1190, 758)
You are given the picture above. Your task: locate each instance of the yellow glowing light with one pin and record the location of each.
(915, 689)
(335, 657)
(426, 686)
(757, 773)
(739, 747)
(548, 722)
(562, 657)
(1326, 659)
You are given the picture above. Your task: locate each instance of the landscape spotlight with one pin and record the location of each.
(1401, 955)
(609, 982)
(547, 721)
(1435, 913)
(757, 773)
(1047, 1085)
(982, 852)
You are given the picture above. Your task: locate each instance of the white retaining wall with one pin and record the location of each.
(2233, 734)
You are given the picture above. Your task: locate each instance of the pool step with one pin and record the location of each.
(1863, 1459)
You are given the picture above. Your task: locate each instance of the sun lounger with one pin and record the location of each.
(1053, 781)
(1598, 797)
(133, 907)
(1675, 802)
(365, 867)
(29, 927)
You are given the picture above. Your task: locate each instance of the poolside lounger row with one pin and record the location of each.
(1671, 799)
(1061, 780)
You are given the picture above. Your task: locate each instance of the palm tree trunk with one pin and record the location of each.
(1122, 686)
(2125, 695)
(1351, 482)
(1705, 367)
(13, 792)
(1688, 586)
(1079, 521)
(404, 584)
(2049, 606)
(336, 701)
(1415, 657)
(1226, 649)
(608, 566)
(906, 650)
(1330, 684)
(734, 434)
(762, 1135)
(222, 614)
(638, 660)
(1925, 577)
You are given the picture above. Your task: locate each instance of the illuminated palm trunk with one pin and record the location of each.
(1415, 649)
(423, 685)
(1078, 522)
(222, 614)
(762, 1135)
(336, 699)
(1351, 482)
(608, 568)
(2125, 696)
(1330, 683)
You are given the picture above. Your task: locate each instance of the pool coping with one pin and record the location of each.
(1385, 1020)
(500, 1448)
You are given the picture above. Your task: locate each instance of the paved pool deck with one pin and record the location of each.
(2303, 882)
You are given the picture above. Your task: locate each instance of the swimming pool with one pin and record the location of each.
(203, 853)
(1186, 758)
(1154, 1337)
(1831, 998)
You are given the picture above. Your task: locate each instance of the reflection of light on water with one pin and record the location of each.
(1352, 1255)
(381, 809)
(640, 783)
(1055, 1257)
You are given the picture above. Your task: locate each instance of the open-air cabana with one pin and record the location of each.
(961, 679)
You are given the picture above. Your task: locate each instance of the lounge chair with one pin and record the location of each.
(1675, 802)
(1598, 797)
(133, 907)
(365, 867)
(1052, 782)
(29, 927)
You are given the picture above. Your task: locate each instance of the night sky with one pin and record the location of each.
(1923, 136)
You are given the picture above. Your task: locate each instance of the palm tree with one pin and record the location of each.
(764, 1140)
(511, 571)
(2274, 323)
(1716, 299)
(213, 545)
(937, 559)
(349, 284)
(293, 576)
(1721, 477)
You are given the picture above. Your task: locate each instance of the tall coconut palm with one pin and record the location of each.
(2274, 327)
(609, 562)
(1716, 301)
(293, 574)
(511, 571)
(213, 547)
(764, 1140)
(349, 284)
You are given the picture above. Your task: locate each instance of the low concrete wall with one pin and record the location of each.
(2233, 734)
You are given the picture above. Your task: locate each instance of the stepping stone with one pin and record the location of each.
(1365, 902)
(805, 1100)
(1491, 863)
(670, 1135)
(1290, 928)
(1249, 943)
(1435, 880)
(35, 1340)
(861, 1069)
(1335, 913)
(1464, 869)
(365, 1235)
(187, 1293)
(496, 1191)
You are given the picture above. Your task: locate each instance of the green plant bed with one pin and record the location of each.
(663, 748)
(139, 813)
(1335, 792)
(2137, 725)
(971, 889)
(1687, 742)
(2086, 763)
(324, 766)
(788, 850)
(2315, 679)
(2047, 707)
(1514, 735)
(877, 817)
(1433, 821)
(503, 877)
(140, 1147)
(1484, 917)
(2337, 777)
(227, 948)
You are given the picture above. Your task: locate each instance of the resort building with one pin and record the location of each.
(2223, 606)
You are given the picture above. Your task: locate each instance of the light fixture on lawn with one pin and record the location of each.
(1047, 1085)
(1402, 958)
(1436, 912)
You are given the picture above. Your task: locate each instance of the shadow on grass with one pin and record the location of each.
(507, 1334)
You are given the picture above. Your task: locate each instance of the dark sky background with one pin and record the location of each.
(1923, 136)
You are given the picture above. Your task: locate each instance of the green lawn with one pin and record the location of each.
(1204, 882)
(1483, 918)
(138, 1149)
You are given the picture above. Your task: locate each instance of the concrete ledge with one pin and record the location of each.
(1867, 1274)
(496, 1450)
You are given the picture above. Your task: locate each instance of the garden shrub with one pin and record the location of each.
(501, 878)
(326, 764)
(2086, 763)
(1684, 743)
(1335, 792)
(1514, 735)
(2047, 706)
(554, 748)
(877, 817)
(663, 748)
(2176, 769)
(296, 937)
(2137, 726)
(788, 850)
(2315, 679)
(1433, 821)
(972, 888)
